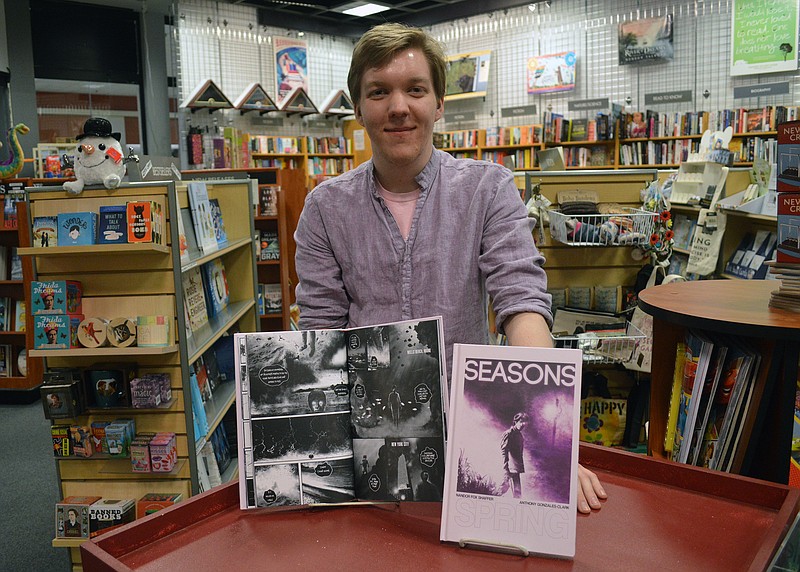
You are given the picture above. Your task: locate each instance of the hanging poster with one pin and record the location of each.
(291, 66)
(467, 75)
(646, 40)
(552, 72)
(764, 36)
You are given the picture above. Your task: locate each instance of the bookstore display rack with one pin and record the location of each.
(737, 308)
(21, 374)
(292, 184)
(733, 523)
(146, 279)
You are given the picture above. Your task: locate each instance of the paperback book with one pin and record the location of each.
(327, 416)
(215, 287)
(202, 218)
(194, 298)
(512, 454)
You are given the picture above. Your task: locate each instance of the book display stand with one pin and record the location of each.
(738, 308)
(660, 506)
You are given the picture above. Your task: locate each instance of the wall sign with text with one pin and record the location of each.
(764, 36)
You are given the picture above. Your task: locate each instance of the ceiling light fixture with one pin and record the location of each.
(361, 9)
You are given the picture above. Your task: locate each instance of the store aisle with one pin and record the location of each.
(28, 492)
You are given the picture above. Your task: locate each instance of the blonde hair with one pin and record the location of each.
(377, 46)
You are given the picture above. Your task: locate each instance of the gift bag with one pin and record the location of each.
(603, 420)
(643, 350)
(706, 243)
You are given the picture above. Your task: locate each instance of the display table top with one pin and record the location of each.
(659, 516)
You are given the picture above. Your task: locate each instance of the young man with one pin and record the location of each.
(512, 448)
(414, 232)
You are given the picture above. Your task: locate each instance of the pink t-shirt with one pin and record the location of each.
(402, 206)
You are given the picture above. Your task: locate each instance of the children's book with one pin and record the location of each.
(194, 298)
(202, 217)
(215, 286)
(219, 223)
(512, 453)
(698, 356)
(19, 316)
(327, 416)
(183, 243)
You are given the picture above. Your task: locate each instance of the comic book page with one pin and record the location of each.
(327, 416)
(513, 448)
(397, 381)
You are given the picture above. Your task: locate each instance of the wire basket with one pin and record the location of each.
(603, 347)
(633, 227)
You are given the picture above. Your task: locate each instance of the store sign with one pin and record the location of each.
(269, 121)
(458, 117)
(519, 111)
(667, 97)
(779, 88)
(319, 123)
(584, 104)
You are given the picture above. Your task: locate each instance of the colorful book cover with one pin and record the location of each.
(19, 316)
(216, 287)
(194, 298)
(270, 247)
(268, 200)
(45, 231)
(219, 223)
(327, 416)
(698, 355)
(512, 452)
(201, 217)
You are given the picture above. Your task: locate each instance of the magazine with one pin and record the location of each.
(327, 416)
(512, 454)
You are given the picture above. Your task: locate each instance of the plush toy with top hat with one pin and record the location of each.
(98, 157)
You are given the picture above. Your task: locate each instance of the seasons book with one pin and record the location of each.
(327, 416)
(512, 453)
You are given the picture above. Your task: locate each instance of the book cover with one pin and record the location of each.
(201, 217)
(270, 247)
(675, 396)
(326, 416)
(272, 298)
(183, 241)
(682, 228)
(578, 130)
(219, 223)
(5, 314)
(698, 356)
(215, 286)
(707, 398)
(512, 454)
(19, 316)
(193, 296)
(113, 225)
(76, 229)
(268, 200)
(45, 231)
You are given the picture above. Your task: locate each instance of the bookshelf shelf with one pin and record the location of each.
(580, 143)
(201, 259)
(265, 217)
(171, 405)
(203, 338)
(665, 138)
(11, 282)
(216, 407)
(68, 542)
(106, 352)
(99, 249)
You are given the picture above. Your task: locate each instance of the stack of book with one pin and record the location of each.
(787, 296)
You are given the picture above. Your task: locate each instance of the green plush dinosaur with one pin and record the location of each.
(13, 164)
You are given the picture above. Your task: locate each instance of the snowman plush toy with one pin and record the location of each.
(98, 157)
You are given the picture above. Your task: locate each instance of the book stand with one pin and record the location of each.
(493, 546)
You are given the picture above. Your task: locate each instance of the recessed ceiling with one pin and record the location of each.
(321, 15)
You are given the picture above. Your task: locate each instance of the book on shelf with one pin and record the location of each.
(194, 297)
(512, 452)
(268, 200)
(219, 224)
(707, 397)
(215, 286)
(328, 416)
(5, 360)
(202, 219)
(748, 403)
(19, 316)
(698, 357)
(675, 396)
(270, 246)
(16, 265)
(5, 314)
(579, 130)
(683, 229)
(183, 242)
(270, 298)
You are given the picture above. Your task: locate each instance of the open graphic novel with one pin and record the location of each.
(327, 416)
(512, 453)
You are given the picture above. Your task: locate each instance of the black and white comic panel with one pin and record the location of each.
(399, 469)
(395, 373)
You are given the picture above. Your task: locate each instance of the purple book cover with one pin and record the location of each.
(512, 452)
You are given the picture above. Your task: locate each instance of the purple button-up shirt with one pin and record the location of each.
(469, 237)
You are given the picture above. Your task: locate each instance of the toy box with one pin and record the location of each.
(61, 401)
(113, 225)
(152, 331)
(45, 231)
(142, 221)
(56, 331)
(119, 436)
(145, 393)
(81, 439)
(56, 297)
(62, 446)
(108, 514)
(72, 516)
(108, 383)
(163, 452)
(99, 436)
(140, 453)
(77, 229)
(153, 502)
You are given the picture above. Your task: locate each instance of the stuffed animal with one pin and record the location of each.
(98, 157)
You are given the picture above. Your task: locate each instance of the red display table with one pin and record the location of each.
(659, 516)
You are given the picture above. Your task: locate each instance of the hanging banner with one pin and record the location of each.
(291, 66)
(467, 75)
(648, 40)
(551, 73)
(764, 36)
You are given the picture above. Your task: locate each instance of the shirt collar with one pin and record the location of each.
(425, 178)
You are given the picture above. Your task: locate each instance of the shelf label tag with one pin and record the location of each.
(667, 97)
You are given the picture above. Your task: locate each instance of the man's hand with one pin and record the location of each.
(590, 491)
